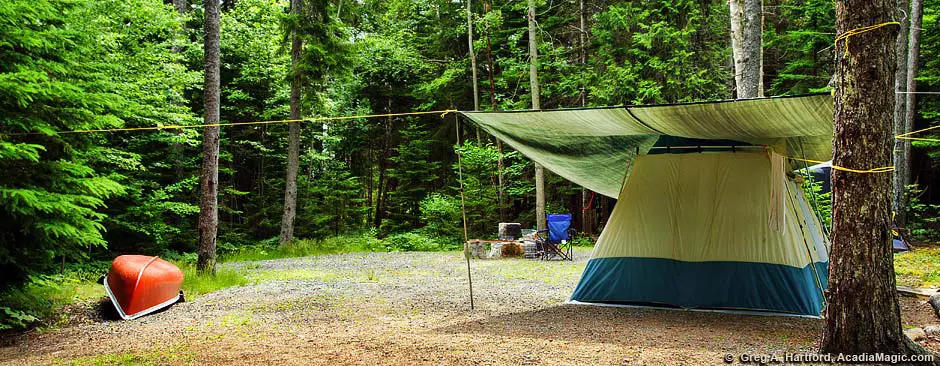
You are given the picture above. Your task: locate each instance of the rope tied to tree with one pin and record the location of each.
(884, 169)
(854, 32)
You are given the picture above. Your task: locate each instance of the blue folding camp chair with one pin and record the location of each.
(557, 242)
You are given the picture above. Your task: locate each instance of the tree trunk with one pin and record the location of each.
(863, 315)
(747, 21)
(176, 149)
(293, 139)
(209, 179)
(473, 67)
(501, 184)
(534, 84)
(383, 167)
(898, 201)
(910, 105)
(473, 60)
(587, 213)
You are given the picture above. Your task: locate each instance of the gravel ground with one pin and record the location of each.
(412, 308)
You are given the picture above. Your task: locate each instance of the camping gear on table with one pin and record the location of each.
(706, 217)
(556, 242)
(139, 285)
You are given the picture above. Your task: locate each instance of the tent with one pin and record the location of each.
(707, 215)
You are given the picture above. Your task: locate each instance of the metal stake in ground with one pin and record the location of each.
(463, 210)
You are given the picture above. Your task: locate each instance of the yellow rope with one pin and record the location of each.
(854, 32)
(179, 127)
(918, 131)
(884, 169)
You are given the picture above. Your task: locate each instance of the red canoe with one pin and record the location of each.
(139, 285)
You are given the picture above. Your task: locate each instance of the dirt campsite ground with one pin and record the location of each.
(412, 308)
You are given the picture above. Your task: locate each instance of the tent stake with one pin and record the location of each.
(463, 210)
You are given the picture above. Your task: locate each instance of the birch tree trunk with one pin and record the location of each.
(863, 315)
(910, 105)
(747, 23)
(209, 179)
(534, 83)
(293, 139)
(898, 202)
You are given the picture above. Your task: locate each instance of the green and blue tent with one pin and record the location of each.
(708, 215)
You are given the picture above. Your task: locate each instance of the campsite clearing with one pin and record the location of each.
(411, 308)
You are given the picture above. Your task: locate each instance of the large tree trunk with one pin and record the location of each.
(209, 179)
(900, 98)
(747, 23)
(293, 139)
(534, 84)
(863, 314)
(913, 55)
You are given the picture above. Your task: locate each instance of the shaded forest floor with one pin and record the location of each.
(412, 308)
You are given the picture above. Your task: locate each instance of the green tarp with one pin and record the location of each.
(596, 147)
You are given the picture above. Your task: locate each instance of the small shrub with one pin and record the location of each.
(441, 214)
(411, 242)
(582, 241)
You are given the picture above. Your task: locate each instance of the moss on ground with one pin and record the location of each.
(919, 267)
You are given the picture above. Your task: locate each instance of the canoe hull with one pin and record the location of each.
(139, 285)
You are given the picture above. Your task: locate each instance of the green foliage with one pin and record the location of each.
(418, 242)
(798, 42)
(821, 202)
(42, 296)
(66, 68)
(480, 185)
(330, 204)
(928, 80)
(441, 216)
(660, 52)
(922, 218)
(413, 176)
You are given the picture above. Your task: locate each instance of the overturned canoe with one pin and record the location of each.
(139, 285)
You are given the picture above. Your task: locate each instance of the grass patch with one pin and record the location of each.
(549, 272)
(306, 248)
(196, 283)
(43, 296)
(918, 268)
(155, 356)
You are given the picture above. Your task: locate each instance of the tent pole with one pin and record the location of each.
(463, 210)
